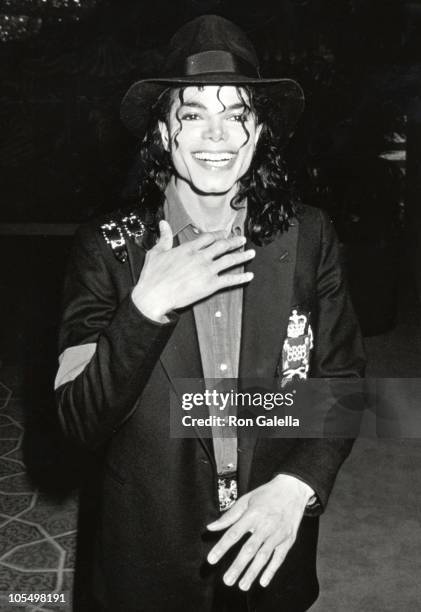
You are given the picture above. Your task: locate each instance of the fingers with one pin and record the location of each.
(233, 259)
(231, 280)
(273, 523)
(208, 238)
(260, 551)
(252, 549)
(231, 516)
(275, 563)
(264, 551)
(165, 237)
(224, 244)
(231, 537)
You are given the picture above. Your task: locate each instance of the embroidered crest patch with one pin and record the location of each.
(297, 347)
(115, 233)
(227, 491)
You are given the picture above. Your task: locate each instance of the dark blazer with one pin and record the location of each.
(156, 492)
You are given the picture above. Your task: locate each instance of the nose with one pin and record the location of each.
(214, 129)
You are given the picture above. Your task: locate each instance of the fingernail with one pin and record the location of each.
(229, 579)
(211, 524)
(264, 582)
(212, 559)
(244, 586)
(251, 253)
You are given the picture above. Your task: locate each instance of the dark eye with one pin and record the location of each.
(239, 117)
(190, 117)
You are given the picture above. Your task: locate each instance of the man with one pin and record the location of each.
(205, 280)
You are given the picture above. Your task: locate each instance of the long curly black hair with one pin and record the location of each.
(271, 200)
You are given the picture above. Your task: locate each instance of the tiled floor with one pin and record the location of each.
(37, 533)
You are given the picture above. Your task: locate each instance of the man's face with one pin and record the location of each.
(211, 137)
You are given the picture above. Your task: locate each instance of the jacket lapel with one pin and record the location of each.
(266, 309)
(136, 257)
(267, 305)
(181, 357)
(181, 360)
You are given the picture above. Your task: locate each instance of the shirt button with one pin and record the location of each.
(218, 314)
(223, 367)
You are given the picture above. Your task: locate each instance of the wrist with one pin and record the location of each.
(304, 491)
(149, 308)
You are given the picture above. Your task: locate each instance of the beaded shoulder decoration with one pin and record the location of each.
(116, 231)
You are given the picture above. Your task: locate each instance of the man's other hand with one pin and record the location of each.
(271, 514)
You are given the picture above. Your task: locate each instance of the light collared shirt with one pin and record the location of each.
(218, 325)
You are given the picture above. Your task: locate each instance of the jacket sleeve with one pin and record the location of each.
(117, 347)
(338, 352)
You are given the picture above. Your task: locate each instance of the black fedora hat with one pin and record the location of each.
(210, 50)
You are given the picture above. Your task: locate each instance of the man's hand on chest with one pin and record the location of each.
(174, 277)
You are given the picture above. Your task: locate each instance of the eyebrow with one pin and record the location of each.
(236, 106)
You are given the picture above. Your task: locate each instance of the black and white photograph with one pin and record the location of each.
(210, 289)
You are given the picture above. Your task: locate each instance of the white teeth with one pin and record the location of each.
(214, 157)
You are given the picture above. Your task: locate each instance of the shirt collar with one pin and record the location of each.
(179, 219)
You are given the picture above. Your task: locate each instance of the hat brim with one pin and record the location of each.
(287, 95)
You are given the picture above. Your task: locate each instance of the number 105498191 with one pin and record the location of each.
(36, 598)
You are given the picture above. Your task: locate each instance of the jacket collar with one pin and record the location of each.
(179, 219)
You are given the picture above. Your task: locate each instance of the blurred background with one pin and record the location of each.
(65, 157)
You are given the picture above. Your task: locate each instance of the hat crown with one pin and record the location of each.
(209, 33)
(210, 50)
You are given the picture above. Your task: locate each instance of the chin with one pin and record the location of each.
(212, 190)
(213, 186)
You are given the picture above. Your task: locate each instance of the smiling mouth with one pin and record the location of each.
(215, 160)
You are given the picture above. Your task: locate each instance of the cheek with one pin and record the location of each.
(184, 134)
(181, 165)
(246, 143)
(180, 148)
(179, 155)
(247, 156)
